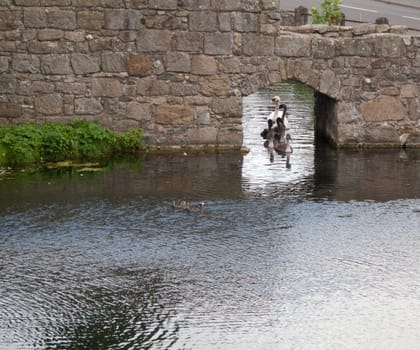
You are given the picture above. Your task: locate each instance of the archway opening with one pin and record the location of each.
(262, 170)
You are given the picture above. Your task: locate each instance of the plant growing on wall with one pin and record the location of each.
(329, 13)
(51, 142)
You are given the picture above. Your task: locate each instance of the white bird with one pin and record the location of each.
(274, 115)
(403, 139)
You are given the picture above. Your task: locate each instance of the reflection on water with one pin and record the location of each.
(321, 255)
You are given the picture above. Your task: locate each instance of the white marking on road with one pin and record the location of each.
(358, 8)
(415, 18)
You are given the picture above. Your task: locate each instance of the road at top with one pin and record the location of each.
(369, 10)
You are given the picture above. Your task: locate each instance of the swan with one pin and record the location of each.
(274, 115)
(284, 118)
(279, 130)
(265, 132)
(283, 148)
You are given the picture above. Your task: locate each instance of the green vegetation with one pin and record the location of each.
(52, 142)
(330, 13)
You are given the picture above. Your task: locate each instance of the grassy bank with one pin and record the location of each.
(52, 142)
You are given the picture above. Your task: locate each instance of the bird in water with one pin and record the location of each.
(187, 206)
(265, 133)
(182, 204)
(283, 148)
(274, 115)
(195, 208)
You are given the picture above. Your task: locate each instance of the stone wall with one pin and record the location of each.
(179, 68)
(167, 66)
(366, 78)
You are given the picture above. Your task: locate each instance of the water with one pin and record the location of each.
(320, 254)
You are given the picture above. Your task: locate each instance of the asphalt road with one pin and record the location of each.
(406, 13)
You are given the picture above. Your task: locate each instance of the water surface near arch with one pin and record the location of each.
(319, 255)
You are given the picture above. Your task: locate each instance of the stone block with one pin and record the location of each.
(27, 2)
(76, 37)
(364, 28)
(228, 107)
(177, 62)
(257, 45)
(322, 48)
(203, 65)
(270, 4)
(7, 84)
(203, 135)
(218, 44)
(225, 22)
(364, 47)
(139, 65)
(24, 63)
(32, 88)
(85, 64)
(163, 4)
(61, 19)
(409, 91)
(57, 3)
(171, 115)
(122, 19)
(116, 4)
(56, 64)
(293, 46)
(88, 106)
(383, 108)
(203, 21)
(87, 3)
(215, 86)
(106, 87)
(246, 22)
(49, 104)
(10, 110)
(154, 40)
(231, 65)
(223, 5)
(139, 111)
(390, 46)
(9, 20)
(35, 18)
(50, 34)
(4, 64)
(74, 88)
(91, 20)
(189, 42)
(195, 5)
(7, 46)
(359, 62)
(114, 62)
(136, 4)
(184, 89)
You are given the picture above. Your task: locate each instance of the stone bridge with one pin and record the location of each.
(179, 68)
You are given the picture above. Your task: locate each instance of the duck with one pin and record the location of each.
(183, 204)
(195, 208)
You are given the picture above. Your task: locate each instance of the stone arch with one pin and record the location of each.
(178, 69)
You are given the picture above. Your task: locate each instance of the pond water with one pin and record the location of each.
(319, 251)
